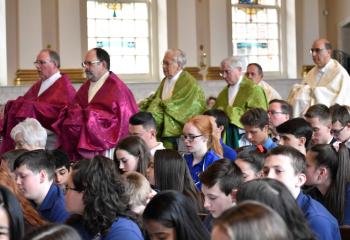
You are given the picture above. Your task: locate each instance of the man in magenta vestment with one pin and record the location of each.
(99, 115)
(43, 101)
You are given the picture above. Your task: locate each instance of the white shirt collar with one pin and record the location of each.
(95, 86)
(233, 90)
(169, 86)
(323, 70)
(49, 82)
(176, 76)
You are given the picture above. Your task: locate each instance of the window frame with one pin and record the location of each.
(282, 24)
(152, 43)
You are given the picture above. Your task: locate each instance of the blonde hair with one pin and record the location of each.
(138, 188)
(208, 128)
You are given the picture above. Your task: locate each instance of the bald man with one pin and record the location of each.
(327, 82)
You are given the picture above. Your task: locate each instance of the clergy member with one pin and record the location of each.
(327, 82)
(240, 95)
(99, 115)
(43, 101)
(178, 98)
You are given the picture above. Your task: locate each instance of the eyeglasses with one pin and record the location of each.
(190, 138)
(336, 132)
(272, 112)
(316, 50)
(223, 72)
(40, 62)
(89, 63)
(166, 64)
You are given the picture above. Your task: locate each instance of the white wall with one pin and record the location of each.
(186, 28)
(3, 56)
(311, 28)
(219, 39)
(29, 32)
(69, 33)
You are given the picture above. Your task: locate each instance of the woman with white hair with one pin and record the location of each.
(29, 135)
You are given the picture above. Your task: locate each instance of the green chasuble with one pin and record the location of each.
(249, 96)
(187, 100)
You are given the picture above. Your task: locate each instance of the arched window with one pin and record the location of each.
(256, 33)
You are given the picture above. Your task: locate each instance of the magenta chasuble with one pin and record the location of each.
(86, 129)
(45, 108)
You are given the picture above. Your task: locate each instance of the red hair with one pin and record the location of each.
(31, 216)
(207, 127)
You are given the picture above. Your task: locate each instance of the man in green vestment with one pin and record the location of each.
(237, 97)
(178, 98)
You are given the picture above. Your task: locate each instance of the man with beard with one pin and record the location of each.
(99, 115)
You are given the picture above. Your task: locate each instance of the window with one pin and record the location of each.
(256, 35)
(122, 29)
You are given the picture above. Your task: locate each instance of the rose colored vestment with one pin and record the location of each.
(45, 108)
(86, 129)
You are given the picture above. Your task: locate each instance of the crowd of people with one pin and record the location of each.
(94, 164)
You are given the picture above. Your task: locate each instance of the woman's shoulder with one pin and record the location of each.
(124, 228)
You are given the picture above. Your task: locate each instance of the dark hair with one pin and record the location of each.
(328, 45)
(220, 116)
(224, 172)
(255, 117)
(254, 158)
(297, 159)
(143, 118)
(104, 193)
(53, 232)
(211, 98)
(277, 196)
(339, 165)
(36, 161)
(10, 204)
(252, 220)
(285, 106)
(320, 111)
(61, 159)
(11, 156)
(171, 173)
(257, 65)
(173, 210)
(340, 113)
(103, 55)
(137, 147)
(298, 127)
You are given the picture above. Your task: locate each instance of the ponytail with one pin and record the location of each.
(214, 142)
(336, 194)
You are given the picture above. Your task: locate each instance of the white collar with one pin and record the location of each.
(323, 70)
(237, 83)
(49, 82)
(176, 76)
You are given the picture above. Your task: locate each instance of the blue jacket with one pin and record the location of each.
(53, 208)
(320, 221)
(195, 170)
(228, 152)
(122, 228)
